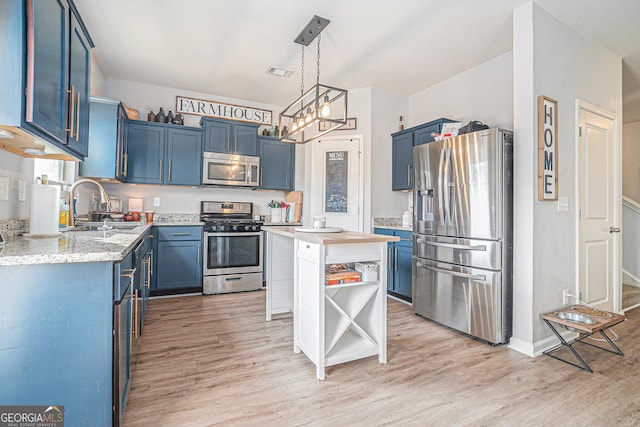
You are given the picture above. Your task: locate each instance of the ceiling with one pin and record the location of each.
(404, 46)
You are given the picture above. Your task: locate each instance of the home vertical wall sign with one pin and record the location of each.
(547, 148)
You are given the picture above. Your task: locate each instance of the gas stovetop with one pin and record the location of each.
(228, 217)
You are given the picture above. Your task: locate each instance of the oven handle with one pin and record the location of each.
(235, 233)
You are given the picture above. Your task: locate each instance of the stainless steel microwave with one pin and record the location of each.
(230, 169)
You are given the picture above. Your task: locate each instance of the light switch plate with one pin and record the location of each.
(156, 201)
(4, 188)
(563, 204)
(22, 190)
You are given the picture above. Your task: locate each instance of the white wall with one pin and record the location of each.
(550, 59)
(16, 168)
(482, 93)
(97, 77)
(386, 109)
(631, 160)
(175, 199)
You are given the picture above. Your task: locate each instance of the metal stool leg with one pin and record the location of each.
(564, 343)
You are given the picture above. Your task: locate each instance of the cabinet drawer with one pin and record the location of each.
(307, 250)
(179, 233)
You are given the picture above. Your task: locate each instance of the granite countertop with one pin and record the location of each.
(342, 238)
(82, 246)
(391, 224)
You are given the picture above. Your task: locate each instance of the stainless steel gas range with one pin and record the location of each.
(232, 248)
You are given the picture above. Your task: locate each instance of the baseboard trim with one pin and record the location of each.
(537, 348)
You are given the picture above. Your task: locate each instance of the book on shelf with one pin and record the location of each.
(342, 281)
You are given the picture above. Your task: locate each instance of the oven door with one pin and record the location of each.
(232, 253)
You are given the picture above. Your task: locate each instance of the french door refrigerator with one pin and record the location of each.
(463, 238)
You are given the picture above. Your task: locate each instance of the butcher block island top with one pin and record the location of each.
(342, 238)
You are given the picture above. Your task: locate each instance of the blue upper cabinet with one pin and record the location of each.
(224, 136)
(402, 176)
(277, 164)
(163, 154)
(184, 156)
(44, 90)
(402, 151)
(145, 147)
(107, 141)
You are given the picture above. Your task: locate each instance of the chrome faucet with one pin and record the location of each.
(104, 197)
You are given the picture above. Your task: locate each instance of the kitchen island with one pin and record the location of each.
(332, 324)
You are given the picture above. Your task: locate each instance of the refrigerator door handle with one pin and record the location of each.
(480, 277)
(448, 184)
(440, 188)
(452, 245)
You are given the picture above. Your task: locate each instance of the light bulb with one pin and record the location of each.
(308, 117)
(325, 111)
(294, 126)
(301, 120)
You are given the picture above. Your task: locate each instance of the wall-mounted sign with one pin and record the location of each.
(202, 107)
(547, 148)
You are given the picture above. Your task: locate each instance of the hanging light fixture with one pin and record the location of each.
(320, 109)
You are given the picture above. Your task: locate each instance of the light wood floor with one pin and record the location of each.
(215, 361)
(630, 296)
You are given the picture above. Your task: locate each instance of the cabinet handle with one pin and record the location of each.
(389, 256)
(235, 144)
(395, 260)
(229, 143)
(198, 253)
(181, 234)
(126, 164)
(170, 162)
(72, 115)
(260, 183)
(78, 118)
(128, 272)
(160, 169)
(134, 315)
(151, 262)
(408, 174)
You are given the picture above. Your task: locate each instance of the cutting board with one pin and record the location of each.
(295, 197)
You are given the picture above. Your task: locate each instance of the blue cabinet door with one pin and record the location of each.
(179, 265)
(47, 65)
(183, 165)
(277, 164)
(217, 136)
(402, 270)
(245, 139)
(402, 168)
(146, 146)
(79, 69)
(121, 144)
(426, 134)
(105, 134)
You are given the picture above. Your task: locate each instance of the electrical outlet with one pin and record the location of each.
(156, 201)
(565, 296)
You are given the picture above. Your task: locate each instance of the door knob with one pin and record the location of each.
(614, 230)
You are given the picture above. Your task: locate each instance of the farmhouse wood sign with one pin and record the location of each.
(220, 110)
(547, 148)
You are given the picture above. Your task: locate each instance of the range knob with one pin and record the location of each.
(254, 228)
(247, 227)
(234, 228)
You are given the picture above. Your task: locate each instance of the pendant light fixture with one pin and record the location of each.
(320, 109)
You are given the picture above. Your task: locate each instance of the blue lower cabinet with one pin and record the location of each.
(177, 259)
(398, 262)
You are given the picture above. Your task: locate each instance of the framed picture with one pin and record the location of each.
(351, 124)
(547, 148)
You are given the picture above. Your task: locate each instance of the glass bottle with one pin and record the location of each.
(170, 117)
(401, 123)
(161, 117)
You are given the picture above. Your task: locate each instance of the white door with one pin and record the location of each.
(598, 201)
(336, 184)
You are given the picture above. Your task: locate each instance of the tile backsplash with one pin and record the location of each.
(12, 228)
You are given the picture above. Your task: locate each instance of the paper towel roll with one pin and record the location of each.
(45, 209)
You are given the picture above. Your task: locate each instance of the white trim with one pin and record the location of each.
(617, 194)
(360, 138)
(631, 204)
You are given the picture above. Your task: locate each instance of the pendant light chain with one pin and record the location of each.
(318, 70)
(302, 73)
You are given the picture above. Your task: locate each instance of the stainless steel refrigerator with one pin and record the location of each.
(463, 233)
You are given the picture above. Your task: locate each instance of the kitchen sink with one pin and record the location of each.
(92, 226)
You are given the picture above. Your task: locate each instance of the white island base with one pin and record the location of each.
(333, 324)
